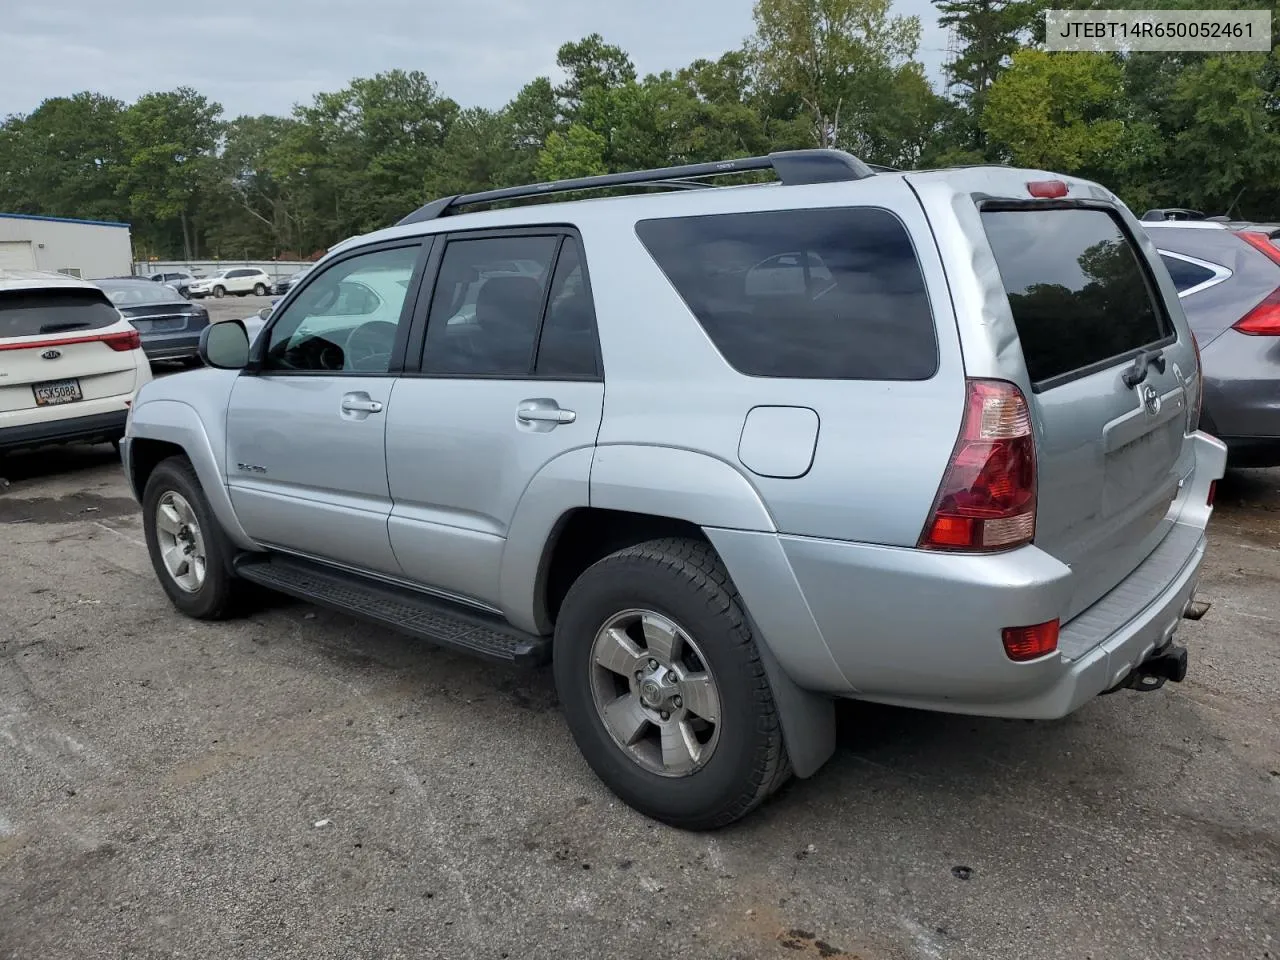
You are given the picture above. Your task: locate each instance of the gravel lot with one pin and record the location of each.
(299, 785)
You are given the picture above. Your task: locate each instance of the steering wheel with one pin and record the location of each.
(369, 346)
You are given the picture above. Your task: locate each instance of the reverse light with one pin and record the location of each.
(1030, 643)
(1047, 189)
(987, 499)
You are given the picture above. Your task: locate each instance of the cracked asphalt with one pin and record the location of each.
(296, 784)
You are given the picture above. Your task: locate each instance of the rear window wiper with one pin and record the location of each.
(1141, 363)
(59, 327)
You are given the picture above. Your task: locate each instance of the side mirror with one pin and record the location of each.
(225, 345)
(265, 312)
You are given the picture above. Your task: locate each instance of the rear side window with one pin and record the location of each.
(1077, 291)
(831, 294)
(1185, 275)
(29, 313)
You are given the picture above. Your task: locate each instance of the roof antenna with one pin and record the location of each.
(1227, 215)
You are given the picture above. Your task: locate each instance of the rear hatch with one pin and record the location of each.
(61, 346)
(1088, 308)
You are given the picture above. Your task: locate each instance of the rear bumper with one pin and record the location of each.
(922, 629)
(1242, 388)
(178, 346)
(94, 427)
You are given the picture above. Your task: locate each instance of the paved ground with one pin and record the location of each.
(234, 308)
(298, 785)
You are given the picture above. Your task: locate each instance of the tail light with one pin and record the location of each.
(1213, 492)
(1030, 643)
(123, 342)
(987, 500)
(1264, 319)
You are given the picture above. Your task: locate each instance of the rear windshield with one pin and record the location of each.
(29, 313)
(1077, 291)
(832, 294)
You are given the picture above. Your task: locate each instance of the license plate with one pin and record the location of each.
(57, 391)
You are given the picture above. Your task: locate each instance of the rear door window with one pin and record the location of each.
(30, 313)
(831, 294)
(1079, 295)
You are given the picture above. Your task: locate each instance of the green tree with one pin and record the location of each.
(989, 31)
(169, 142)
(64, 159)
(578, 152)
(1058, 111)
(839, 58)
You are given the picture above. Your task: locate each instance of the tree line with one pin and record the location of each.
(1194, 130)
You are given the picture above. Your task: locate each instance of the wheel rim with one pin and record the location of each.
(654, 693)
(181, 541)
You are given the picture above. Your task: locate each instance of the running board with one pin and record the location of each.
(406, 611)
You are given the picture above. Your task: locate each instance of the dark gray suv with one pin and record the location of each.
(1228, 278)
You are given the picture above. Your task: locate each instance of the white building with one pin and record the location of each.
(90, 249)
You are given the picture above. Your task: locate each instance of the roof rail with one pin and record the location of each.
(791, 166)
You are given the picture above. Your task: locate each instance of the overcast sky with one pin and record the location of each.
(265, 57)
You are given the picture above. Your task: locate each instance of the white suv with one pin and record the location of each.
(241, 281)
(70, 363)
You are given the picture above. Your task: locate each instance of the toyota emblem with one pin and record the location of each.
(1150, 399)
(51, 354)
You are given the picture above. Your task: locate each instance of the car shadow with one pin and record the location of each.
(44, 462)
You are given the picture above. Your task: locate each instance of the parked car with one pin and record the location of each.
(1228, 278)
(725, 455)
(70, 364)
(169, 324)
(241, 281)
(285, 284)
(177, 279)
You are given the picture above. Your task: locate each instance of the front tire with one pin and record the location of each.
(663, 687)
(259, 290)
(219, 292)
(190, 553)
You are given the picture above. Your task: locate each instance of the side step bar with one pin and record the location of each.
(406, 611)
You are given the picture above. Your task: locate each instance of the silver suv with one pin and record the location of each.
(722, 454)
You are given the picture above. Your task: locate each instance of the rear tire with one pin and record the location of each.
(625, 606)
(190, 553)
(219, 292)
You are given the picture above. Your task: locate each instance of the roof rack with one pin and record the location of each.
(791, 166)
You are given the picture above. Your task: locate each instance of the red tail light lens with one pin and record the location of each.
(987, 500)
(1213, 492)
(1261, 242)
(1047, 189)
(122, 342)
(1030, 643)
(1264, 319)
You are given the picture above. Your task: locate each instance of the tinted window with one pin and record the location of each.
(1077, 291)
(831, 294)
(132, 293)
(347, 319)
(485, 314)
(1186, 275)
(29, 313)
(567, 347)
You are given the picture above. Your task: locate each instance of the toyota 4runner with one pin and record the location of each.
(722, 454)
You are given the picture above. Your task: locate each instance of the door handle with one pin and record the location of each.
(360, 403)
(543, 413)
